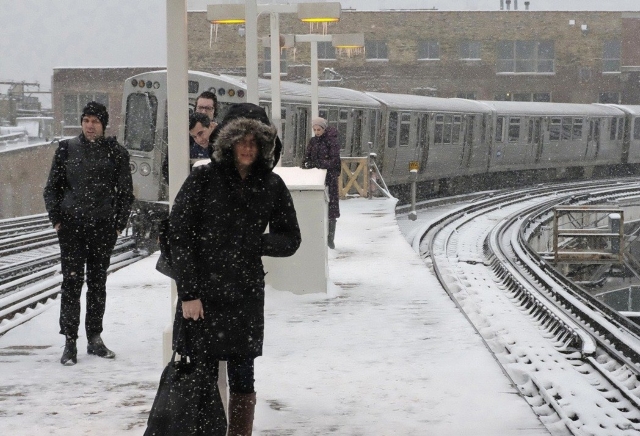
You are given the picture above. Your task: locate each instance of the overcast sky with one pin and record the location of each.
(37, 35)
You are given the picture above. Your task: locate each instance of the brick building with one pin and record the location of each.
(581, 57)
(504, 55)
(72, 88)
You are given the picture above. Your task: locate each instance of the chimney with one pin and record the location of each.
(508, 2)
(526, 6)
(502, 5)
(515, 5)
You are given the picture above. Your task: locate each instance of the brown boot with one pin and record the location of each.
(241, 409)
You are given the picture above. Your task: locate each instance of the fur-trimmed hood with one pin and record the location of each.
(236, 130)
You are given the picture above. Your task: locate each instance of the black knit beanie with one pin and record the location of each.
(98, 110)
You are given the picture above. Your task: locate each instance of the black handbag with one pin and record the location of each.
(188, 402)
(164, 264)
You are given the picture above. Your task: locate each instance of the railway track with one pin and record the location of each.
(538, 324)
(30, 275)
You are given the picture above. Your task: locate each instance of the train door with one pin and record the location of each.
(423, 141)
(354, 146)
(406, 148)
(536, 137)
(593, 140)
(391, 142)
(302, 134)
(468, 121)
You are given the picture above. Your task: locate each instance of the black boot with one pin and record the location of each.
(332, 234)
(70, 353)
(98, 348)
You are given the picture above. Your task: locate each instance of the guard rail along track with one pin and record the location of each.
(495, 278)
(30, 273)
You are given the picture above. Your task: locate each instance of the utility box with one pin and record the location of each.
(307, 271)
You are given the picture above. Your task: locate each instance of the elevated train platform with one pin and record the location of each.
(385, 352)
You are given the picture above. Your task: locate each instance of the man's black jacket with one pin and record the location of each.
(90, 181)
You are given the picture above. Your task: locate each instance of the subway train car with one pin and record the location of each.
(460, 144)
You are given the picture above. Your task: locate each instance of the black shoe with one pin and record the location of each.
(70, 354)
(98, 348)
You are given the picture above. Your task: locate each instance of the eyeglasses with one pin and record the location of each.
(205, 108)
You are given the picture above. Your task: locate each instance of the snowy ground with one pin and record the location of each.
(387, 353)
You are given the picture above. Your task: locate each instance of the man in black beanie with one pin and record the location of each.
(88, 197)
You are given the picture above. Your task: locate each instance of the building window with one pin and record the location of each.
(428, 50)
(609, 97)
(326, 51)
(470, 50)
(611, 57)
(523, 96)
(74, 103)
(528, 57)
(467, 95)
(376, 50)
(267, 62)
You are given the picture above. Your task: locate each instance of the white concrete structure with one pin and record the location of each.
(306, 271)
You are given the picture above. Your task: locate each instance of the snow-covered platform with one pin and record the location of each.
(385, 353)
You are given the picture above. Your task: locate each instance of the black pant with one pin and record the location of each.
(81, 243)
(241, 372)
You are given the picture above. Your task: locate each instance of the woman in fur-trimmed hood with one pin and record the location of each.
(217, 238)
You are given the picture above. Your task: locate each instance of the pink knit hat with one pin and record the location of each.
(319, 122)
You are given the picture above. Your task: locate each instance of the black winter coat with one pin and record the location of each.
(324, 152)
(90, 181)
(217, 238)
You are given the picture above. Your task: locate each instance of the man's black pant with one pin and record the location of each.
(81, 243)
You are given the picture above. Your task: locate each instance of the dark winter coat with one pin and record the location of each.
(90, 181)
(217, 238)
(324, 152)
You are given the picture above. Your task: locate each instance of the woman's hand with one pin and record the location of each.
(192, 309)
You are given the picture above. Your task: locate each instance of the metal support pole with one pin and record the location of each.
(314, 79)
(413, 215)
(251, 39)
(276, 106)
(178, 108)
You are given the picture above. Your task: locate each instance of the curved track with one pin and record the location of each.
(574, 359)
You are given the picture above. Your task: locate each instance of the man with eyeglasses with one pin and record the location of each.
(206, 104)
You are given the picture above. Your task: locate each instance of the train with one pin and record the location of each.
(460, 145)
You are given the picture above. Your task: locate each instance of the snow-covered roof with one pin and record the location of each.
(418, 102)
(541, 109)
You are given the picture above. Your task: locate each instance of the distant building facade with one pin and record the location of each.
(578, 57)
(582, 57)
(73, 88)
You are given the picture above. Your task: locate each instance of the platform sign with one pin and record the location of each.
(414, 165)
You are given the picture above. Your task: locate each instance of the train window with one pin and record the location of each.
(614, 127)
(193, 86)
(439, 127)
(423, 131)
(636, 128)
(357, 116)
(342, 128)
(446, 133)
(322, 113)
(140, 122)
(393, 129)
(620, 128)
(405, 125)
(456, 128)
(499, 129)
(332, 118)
(530, 132)
(577, 128)
(373, 118)
(283, 123)
(554, 129)
(567, 125)
(514, 129)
